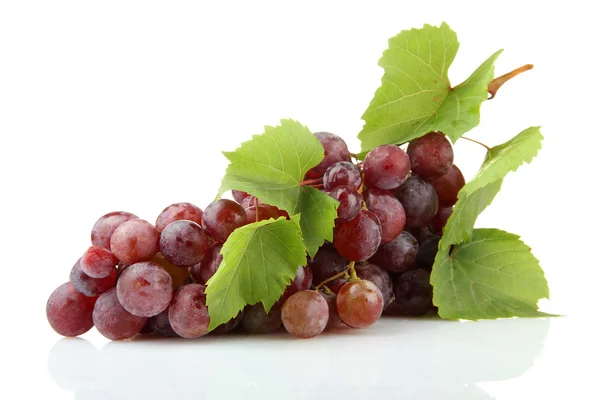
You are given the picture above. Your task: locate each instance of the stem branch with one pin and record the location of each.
(475, 141)
(495, 84)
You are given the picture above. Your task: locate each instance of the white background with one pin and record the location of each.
(126, 105)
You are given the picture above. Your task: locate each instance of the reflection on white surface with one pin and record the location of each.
(417, 359)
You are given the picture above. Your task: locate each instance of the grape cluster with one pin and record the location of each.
(138, 277)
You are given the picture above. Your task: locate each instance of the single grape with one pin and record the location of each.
(342, 173)
(398, 255)
(430, 155)
(441, 218)
(250, 201)
(135, 241)
(334, 318)
(88, 286)
(98, 262)
(428, 247)
(326, 263)
(69, 312)
(238, 195)
(145, 289)
(335, 150)
(305, 314)
(414, 293)
(160, 325)
(283, 213)
(419, 200)
(178, 212)
(256, 320)
(302, 281)
(381, 278)
(448, 185)
(230, 325)
(113, 321)
(222, 217)
(350, 202)
(359, 303)
(105, 227)
(205, 269)
(183, 243)
(188, 313)
(388, 210)
(386, 167)
(179, 275)
(261, 212)
(359, 238)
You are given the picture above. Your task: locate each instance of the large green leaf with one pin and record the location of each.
(493, 275)
(416, 97)
(259, 261)
(271, 167)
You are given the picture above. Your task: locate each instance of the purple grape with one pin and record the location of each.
(381, 278)
(135, 241)
(178, 212)
(441, 218)
(105, 227)
(113, 321)
(230, 325)
(183, 243)
(342, 173)
(448, 185)
(222, 217)
(98, 262)
(326, 263)
(160, 325)
(238, 195)
(398, 255)
(188, 313)
(334, 318)
(302, 281)
(414, 293)
(428, 247)
(359, 303)
(256, 320)
(335, 150)
(419, 200)
(205, 269)
(386, 167)
(350, 202)
(88, 286)
(69, 312)
(359, 238)
(388, 210)
(145, 289)
(305, 314)
(430, 155)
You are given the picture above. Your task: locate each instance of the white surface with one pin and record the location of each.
(126, 105)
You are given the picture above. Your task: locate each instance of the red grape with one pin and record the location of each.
(238, 195)
(178, 274)
(430, 155)
(250, 201)
(205, 269)
(302, 281)
(326, 263)
(419, 200)
(342, 173)
(413, 292)
(263, 211)
(160, 325)
(256, 320)
(388, 210)
(441, 218)
(134, 241)
(337, 284)
(360, 303)
(105, 226)
(183, 243)
(428, 247)
(69, 312)
(334, 318)
(178, 212)
(230, 325)
(448, 185)
(335, 150)
(359, 238)
(188, 313)
(305, 314)
(98, 262)
(386, 167)
(381, 278)
(145, 289)
(222, 217)
(89, 286)
(350, 202)
(398, 255)
(113, 321)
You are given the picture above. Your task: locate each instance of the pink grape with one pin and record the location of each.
(89, 286)
(205, 269)
(145, 289)
(188, 313)
(178, 212)
(302, 281)
(113, 321)
(350, 202)
(69, 312)
(98, 262)
(386, 167)
(222, 217)
(105, 226)
(238, 195)
(335, 150)
(360, 303)
(135, 241)
(183, 243)
(305, 314)
(342, 173)
(388, 210)
(334, 317)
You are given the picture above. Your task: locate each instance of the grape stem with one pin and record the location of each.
(352, 271)
(312, 182)
(495, 84)
(332, 278)
(475, 141)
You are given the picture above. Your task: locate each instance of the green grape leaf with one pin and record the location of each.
(272, 166)
(493, 275)
(502, 159)
(259, 261)
(416, 97)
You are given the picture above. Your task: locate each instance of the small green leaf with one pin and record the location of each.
(494, 275)
(271, 167)
(416, 97)
(502, 159)
(468, 207)
(259, 261)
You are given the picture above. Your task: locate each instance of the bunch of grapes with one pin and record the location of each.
(139, 277)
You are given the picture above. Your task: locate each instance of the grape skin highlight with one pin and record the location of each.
(305, 314)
